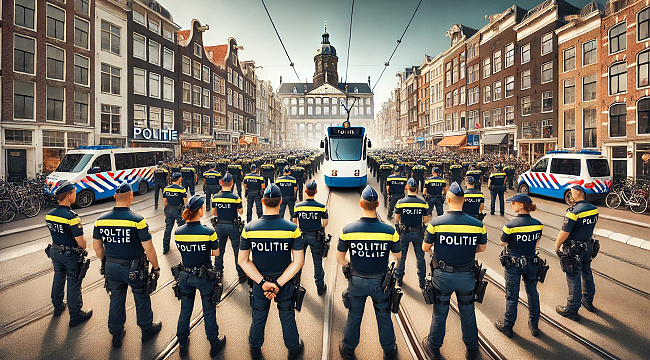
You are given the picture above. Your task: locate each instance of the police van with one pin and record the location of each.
(96, 171)
(554, 173)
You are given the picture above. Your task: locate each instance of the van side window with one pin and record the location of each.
(145, 159)
(541, 165)
(124, 161)
(103, 162)
(565, 167)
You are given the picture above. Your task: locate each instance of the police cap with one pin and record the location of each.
(160, 162)
(124, 187)
(176, 176)
(311, 185)
(287, 169)
(272, 191)
(195, 202)
(456, 189)
(227, 178)
(577, 187)
(369, 194)
(522, 198)
(396, 168)
(469, 179)
(64, 187)
(253, 167)
(436, 170)
(411, 182)
(214, 164)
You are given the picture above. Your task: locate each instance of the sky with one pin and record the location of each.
(376, 27)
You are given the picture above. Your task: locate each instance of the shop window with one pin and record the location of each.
(76, 139)
(569, 128)
(55, 22)
(643, 117)
(54, 106)
(53, 138)
(643, 161)
(617, 120)
(124, 161)
(103, 162)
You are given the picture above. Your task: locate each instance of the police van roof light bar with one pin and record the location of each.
(97, 147)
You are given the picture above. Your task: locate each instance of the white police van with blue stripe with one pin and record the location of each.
(96, 171)
(554, 173)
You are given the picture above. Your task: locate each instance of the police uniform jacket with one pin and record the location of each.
(297, 172)
(498, 179)
(418, 171)
(195, 242)
(473, 201)
(411, 210)
(212, 177)
(188, 173)
(455, 237)
(226, 204)
(160, 174)
(174, 194)
(286, 184)
(370, 242)
(580, 220)
(253, 181)
(270, 241)
(456, 170)
(521, 233)
(122, 232)
(434, 185)
(309, 214)
(64, 225)
(397, 183)
(268, 169)
(235, 170)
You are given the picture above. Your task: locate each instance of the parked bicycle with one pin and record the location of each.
(25, 197)
(630, 194)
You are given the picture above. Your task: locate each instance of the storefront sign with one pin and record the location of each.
(420, 139)
(155, 134)
(221, 137)
(472, 140)
(192, 144)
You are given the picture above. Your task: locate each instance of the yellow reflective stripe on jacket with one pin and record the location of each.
(285, 180)
(62, 220)
(171, 189)
(496, 174)
(188, 169)
(571, 216)
(474, 195)
(588, 213)
(411, 205)
(370, 236)
(435, 181)
(195, 237)
(226, 200)
(270, 234)
(122, 223)
(522, 229)
(309, 208)
(253, 177)
(460, 229)
(396, 179)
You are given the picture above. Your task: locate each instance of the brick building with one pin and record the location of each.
(424, 104)
(221, 136)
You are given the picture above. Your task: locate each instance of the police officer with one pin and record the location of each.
(576, 239)
(510, 175)
(476, 174)
(367, 269)
(123, 237)
(212, 187)
(496, 184)
(411, 213)
(268, 173)
(280, 163)
(160, 175)
(288, 186)
(277, 256)
(456, 173)
(68, 243)
(226, 207)
(197, 244)
(235, 170)
(395, 185)
(174, 200)
(435, 189)
(298, 173)
(453, 255)
(253, 184)
(176, 167)
(190, 177)
(519, 238)
(311, 216)
(418, 175)
(474, 199)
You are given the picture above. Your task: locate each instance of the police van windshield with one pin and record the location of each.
(346, 149)
(598, 167)
(74, 162)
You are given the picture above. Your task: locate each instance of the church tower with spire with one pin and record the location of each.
(326, 63)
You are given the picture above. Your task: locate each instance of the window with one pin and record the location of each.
(140, 116)
(24, 50)
(139, 81)
(139, 49)
(124, 161)
(54, 139)
(206, 98)
(295, 91)
(81, 6)
(197, 49)
(643, 24)
(454, 71)
(510, 86)
(80, 107)
(110, 79)
(24, 13)
(154, 52)
(497, 62)
(448, 102)
(81, 31)
(642, 69)
(110, 38)
(569, 91)
(169, 35)
(55, 63)
(187, 122)
(486, 67)
(54, 106)
(462, 97)
(454, 95)
(138, 17)
(570, 59)
(496, 91)
(547, 43)
(206, 74)
(230, 97)
(196, 123)
(589, 128)
(18, 137)
(81, 64)
(487, 121)
(547, 101)
(196, 97)
(206, 124)
(55, 22)
(186, 67)
(525, 53)
(510, 115)
(497, 117)
(154, 25)
(487, 94)
(154, 118)
(617, 38)
(643, 117)
(569, 128)
(196, 69)
(168, 120)
(525, 106)
(565, 166)
(547, 72)
(510, 55)
(168, 89)
(589, 53)
(168, 59)
(617, 120)
(618, 78)
(110, 119)
(589, 87)
(525, 79)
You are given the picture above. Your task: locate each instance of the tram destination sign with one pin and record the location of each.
(341, 131)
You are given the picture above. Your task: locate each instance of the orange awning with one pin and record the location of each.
(452, 140)
(469, 148)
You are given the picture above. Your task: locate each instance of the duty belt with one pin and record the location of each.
(196, 269)
(366, 275)
(120, 261)
(63, 248)
(224, 221)
(174, 206)
(452, 269)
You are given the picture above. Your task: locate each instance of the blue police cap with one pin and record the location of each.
(436, 170)
(287, 169)
(124, 187)
(576, 187)
(369, 194)
(227, 178)
(64, 187)
(272, 192)
(253, 167)
(195, 202)
(311, 185)
(160, 162)
(396, 168)
(176, 176)
(214, 164)
(456, 189)
(469, 179)
(522, 198)
(499, 167)
(411, 182)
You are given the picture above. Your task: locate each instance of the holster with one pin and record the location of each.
(395, 297)
(47, 250)
(481, 216)
(422, 230)
(346, 298)
(138, 269)
(326, 242)
(388, 278)
(543, 269)
(215, 276)
(398, 228)
(102, 267)
(82, 266)
(481, 286)
(299, 294)
(429, 292)
(239, 224)
(566, 261)
(427, 197)
(152, 283)
(505, 259)
(213, 221)
(347, 271)
(595, 248)
(176, 271)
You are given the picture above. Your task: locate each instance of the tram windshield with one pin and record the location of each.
(346, 149)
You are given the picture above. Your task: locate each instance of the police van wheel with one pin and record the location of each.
(84, 199)
(143, 187)
(568, 199)
(523, 188)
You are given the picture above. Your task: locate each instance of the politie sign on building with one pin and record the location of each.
(154, 134)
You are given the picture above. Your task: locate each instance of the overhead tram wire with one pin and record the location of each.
(387, 63)
(347, 61)
(281, 42)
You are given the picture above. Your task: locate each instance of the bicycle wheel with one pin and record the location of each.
(7, 211)
(31, 206)
(638, 204)
(613, 200)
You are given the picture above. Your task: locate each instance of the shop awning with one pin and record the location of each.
(469, 147)
(494, 139)
(452, 140)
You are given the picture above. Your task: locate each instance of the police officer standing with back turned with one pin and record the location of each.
(253, 184)
(395, 185)
(160, 174)
(123, 237)
(510, 175)
(497, 187)
(212, 187)
(197, 244)
(411, 213)
(474, 199)
(298, 173)
(435, 189)
(189, 177)
(311, 216)
(268, 173)
(367, 271)
(576, 240)
(455, 239)
(418, 174)
(235, 170)
(288, 187)
(276, 246)
(174, 200)
(68, 245)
